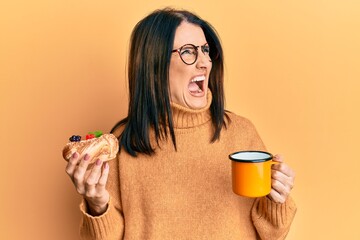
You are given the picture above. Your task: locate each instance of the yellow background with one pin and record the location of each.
(292, 67)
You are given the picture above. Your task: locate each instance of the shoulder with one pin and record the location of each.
(239, 121)
(118, 129)
(243, 131)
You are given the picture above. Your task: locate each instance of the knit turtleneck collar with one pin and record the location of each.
(186, 118)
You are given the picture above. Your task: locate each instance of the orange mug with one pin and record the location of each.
(251, 173)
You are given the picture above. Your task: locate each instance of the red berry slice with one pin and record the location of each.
(90, 136)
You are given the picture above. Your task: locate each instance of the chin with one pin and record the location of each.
(197, 103)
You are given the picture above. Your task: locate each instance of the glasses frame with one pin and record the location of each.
(178, 50)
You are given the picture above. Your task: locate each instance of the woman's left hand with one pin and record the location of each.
(282, 180)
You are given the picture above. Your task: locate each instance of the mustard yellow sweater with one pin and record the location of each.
(187, 194)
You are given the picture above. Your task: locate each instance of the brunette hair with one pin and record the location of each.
(151, 44)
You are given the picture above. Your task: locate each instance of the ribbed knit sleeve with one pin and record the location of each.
(108, 226)
(272, 220)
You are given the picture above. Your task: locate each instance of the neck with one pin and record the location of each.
(184, 117)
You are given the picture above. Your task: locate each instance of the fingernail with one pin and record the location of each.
(75, 155)
(98, 162)
(86, 157)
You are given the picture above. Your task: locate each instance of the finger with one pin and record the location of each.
(80, 173)
(283, 168)
(287, 181)
(281, 188)
(93, 178)
(85, 161)
(276, 197)
(95, 173)
(104, 176)
(71, 165)
(278, 158)
(279, 175)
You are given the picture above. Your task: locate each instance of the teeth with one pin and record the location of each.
(197, 79)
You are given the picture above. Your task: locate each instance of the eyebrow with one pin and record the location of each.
(191, 44)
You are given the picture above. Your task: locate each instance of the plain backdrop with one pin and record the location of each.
(292, 67)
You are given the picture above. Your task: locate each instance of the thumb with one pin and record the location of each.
(278, 158)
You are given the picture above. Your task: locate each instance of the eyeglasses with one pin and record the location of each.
(189, 52)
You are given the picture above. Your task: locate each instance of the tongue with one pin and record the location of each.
(193, 87)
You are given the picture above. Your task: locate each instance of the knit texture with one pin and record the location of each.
(187, 194)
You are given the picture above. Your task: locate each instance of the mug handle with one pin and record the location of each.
(274, 162)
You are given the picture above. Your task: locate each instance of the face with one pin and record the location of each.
(189, 83)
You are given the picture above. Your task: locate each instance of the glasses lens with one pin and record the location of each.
(206, 50)
(188, 54)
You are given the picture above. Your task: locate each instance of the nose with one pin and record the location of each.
(203, 60)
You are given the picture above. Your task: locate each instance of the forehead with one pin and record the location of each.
(188, 33)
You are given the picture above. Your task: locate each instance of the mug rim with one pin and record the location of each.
(251, 160)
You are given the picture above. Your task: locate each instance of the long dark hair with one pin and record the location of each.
(151, 44)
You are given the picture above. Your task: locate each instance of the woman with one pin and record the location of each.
(171, 179)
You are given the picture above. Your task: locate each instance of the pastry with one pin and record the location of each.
(96, 145)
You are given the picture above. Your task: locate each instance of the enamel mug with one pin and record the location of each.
(251, 173)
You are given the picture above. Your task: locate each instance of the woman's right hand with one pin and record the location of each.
(90, 183)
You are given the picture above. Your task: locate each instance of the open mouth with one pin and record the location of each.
(196, 85)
